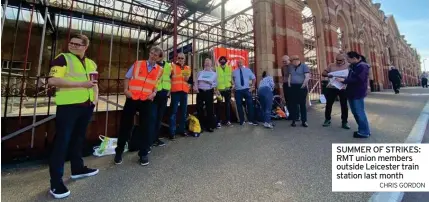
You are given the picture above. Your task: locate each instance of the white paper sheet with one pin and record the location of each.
(341, 73)
(336, 83)
(338, 74)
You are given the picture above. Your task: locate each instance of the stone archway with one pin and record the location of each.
(344, 23)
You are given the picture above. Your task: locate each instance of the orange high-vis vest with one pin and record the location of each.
(143, 83)
(178, 83)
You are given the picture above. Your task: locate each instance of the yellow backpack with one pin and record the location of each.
(194, 124)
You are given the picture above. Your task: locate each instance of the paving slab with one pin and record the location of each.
(240, 163)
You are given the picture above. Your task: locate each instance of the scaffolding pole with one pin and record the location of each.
(108, 80)
(175, 29)
(3, 16)
(39, 67)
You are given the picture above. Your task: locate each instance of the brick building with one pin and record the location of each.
(121, 31)
(340, 26)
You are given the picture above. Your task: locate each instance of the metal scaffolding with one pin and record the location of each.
(35, 31)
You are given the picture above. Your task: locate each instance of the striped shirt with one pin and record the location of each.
(267, 82)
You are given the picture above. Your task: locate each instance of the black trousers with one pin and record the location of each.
(226, 94)
(160, 105)
(298, 101)
(424, 82)
(146, 124)
(71, 124)
(396, 86)
(205, 98)
(331, 94)
(286, 94)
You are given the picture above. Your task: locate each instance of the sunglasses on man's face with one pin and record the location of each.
(76, 44)
(181, 58)
(340, 60)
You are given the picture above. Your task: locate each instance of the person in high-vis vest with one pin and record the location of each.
(140, 90)
(161, 99)
(180, 86)
(223, 90)
(75, 98)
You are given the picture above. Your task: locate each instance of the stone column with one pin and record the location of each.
(331, 38)
(263, 30)
(278, 32)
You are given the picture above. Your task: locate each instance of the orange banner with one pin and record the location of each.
(233, 55)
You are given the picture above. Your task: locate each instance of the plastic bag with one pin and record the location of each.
(107, 146)
(194, 124)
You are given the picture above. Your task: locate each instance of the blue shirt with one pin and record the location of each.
(247, 76)
(267, 82)
(129, 74)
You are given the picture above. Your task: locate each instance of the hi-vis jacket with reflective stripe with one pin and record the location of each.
(165, 81)
(224, 77)
(143, 83)
(178, 83)
(76, 72)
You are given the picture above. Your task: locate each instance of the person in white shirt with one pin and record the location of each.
(265, 94)
(204, 86)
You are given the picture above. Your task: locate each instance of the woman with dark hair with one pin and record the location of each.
(265, 94)
(357, 86)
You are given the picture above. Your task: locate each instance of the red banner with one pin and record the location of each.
(233, 55)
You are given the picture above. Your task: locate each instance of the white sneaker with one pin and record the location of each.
(268, 125)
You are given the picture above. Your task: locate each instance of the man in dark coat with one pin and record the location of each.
(395, 77)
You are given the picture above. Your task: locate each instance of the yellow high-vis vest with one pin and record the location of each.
(164, 82)
(224, 77)
(76, 72)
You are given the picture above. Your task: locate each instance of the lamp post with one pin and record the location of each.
(424, 64)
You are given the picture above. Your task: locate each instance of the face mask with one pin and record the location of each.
(222, 62)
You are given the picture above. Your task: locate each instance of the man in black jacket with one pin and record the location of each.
(395, 77)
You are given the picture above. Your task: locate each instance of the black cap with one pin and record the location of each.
(223, 58)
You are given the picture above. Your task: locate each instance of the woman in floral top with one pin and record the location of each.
(265, 94)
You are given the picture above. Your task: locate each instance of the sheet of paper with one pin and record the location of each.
(336, 83)
(341, 73)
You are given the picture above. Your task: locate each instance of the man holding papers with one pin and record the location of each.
(357, 86)
(336, 88)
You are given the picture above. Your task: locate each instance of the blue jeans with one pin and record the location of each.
(71, 124)
(357, 106)
(160, 104)
(266, 99)
(176, 98)
(239, 95)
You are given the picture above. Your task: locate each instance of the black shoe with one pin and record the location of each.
(293, 124)
(345, 126)
(172, 137)
(304, 124)
(210, 130)
(84, 172)
(327, 123)
(184, 134)
(59, 191)
(118, 158)
(357, 135)
(144, 160)
(159, 143)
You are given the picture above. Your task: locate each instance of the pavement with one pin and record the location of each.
(240, 163)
